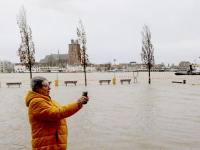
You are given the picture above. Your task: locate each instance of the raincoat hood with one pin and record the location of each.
(31, 95)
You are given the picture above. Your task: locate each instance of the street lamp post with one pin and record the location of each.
(114, 79)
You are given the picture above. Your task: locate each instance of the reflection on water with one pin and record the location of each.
(139, 116)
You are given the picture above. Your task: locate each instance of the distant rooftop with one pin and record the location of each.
(54, 56)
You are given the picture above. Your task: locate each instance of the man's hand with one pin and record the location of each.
(82, 99)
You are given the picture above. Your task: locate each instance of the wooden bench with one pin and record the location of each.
(176, 82)
(101, 81)
(125, 80)
(73, 82)
(13, 83)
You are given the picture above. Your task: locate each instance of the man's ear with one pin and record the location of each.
(37, 88)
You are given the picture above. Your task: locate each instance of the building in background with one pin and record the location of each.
(72, 53)
(3, 67)
(184, 65)
(6, 67)
(53, 60)
(61, 60)
(79, 68)
(20, 68)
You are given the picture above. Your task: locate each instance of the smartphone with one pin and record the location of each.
(85, 93)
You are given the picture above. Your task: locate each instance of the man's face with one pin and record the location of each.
(45, 89)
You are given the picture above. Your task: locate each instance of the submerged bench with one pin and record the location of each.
(13, 83)
(73, 82)
(176, 82)
(125, 80)
(101, 81)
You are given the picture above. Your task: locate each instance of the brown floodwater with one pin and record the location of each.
(135, 116)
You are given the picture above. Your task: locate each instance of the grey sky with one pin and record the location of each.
(113, 28)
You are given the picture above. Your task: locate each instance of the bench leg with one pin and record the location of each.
(121, 82)
(75, 84)
(128, 82)
(66, 84)
(19, 85)
(108, 83)
(100, 83)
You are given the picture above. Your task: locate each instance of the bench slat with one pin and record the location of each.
(14, 83)
(70, 81)
(125, 80)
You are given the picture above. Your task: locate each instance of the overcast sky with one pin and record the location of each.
(113, 28)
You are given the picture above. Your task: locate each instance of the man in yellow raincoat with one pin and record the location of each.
(47, 117)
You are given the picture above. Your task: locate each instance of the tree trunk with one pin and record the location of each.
(30, 70)
(85, 76)
(29, 63)
(149, 74)
(85, 70)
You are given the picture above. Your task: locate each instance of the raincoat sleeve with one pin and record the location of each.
(43, 110)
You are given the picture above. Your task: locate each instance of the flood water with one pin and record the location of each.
(135, 116)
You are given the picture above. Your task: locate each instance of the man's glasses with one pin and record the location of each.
(47, 86)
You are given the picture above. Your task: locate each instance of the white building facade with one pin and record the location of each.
(79, 68)
(19, 68)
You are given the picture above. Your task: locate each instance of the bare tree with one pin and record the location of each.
(81, 52)
(26, 51)
(147, 54)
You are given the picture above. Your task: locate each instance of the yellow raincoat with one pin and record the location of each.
(48, 123)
